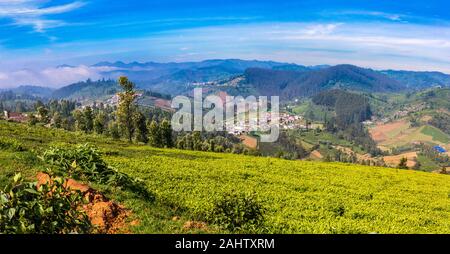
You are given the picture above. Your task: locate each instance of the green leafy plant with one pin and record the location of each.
(50, 208)
(85, 162)
(238, 212)
(11, 144)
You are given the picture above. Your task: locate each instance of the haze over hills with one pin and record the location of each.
(418, 80)
(36, 91)
(244, 77)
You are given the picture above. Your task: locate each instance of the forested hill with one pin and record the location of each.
(419, 79)
(290, 84)
(86, 89)
(256, 77)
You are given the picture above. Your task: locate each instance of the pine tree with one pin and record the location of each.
(32, 120)
(38, 104)
(154, 134)
(141, 127)
(126, 107)
(113, 130)
(403, 163)
(88, 119)
(79, 120)
(20, 107)
(57, 120)
(166, 133)
(100, 123)
(43, 114)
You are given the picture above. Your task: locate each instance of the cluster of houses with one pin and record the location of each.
(286, 121)
(114, 100)
(401, 113)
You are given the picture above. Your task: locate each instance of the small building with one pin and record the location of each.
(439, 149)
(15, 117)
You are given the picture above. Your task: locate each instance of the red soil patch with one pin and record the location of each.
(394, 160)
(316, 154)
(378, 133)
(107, 216)
(378, 136)
(249, 141)
(164, 104)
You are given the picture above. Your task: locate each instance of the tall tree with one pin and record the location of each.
(127, 107)
(80, 124)
(141, 127)
(100, 122)
(20, 107)
(113, 130)
(57, 120)
(38, 104)
(88, 119)
(43, 114)
(154, 134)
(166, 133)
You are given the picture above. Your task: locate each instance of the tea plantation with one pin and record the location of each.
(297, 196)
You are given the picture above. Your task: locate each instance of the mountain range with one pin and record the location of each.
(244, 77)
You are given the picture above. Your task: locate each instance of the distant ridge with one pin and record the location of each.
(288, 80)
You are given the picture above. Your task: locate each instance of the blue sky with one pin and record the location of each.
(38, 35)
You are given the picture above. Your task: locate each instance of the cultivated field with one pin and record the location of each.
(400, 133)
(300, 197)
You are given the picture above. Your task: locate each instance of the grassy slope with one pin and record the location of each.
(301, 197)
(436, 134)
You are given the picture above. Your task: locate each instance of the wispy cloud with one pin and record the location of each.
(375, 45)
(33, 13)
(376, 14)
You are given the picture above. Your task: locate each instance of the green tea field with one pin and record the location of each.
(298, 196)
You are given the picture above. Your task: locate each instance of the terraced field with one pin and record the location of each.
(400, 133)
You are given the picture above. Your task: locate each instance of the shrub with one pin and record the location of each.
(11, 144)
(48, 209)
(238, 212)
(85, 162)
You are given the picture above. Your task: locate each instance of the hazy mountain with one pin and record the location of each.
(36, 91)
(87, 90)
(419, 79)
(255, 77)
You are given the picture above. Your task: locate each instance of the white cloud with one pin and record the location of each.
(31, 13)
(321, 29)
(51, 77)
(373, 45)
(3, 76)
(379, 14)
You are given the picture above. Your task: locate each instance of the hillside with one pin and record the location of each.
(419, 79)
(300, 197)
(262, 77)
(36, 91)
(291, 84)
(86, 89)
(255, 77)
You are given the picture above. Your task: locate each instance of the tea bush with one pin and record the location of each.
(238, 212)
(11, 144)
(48, 209)
(85, 162)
